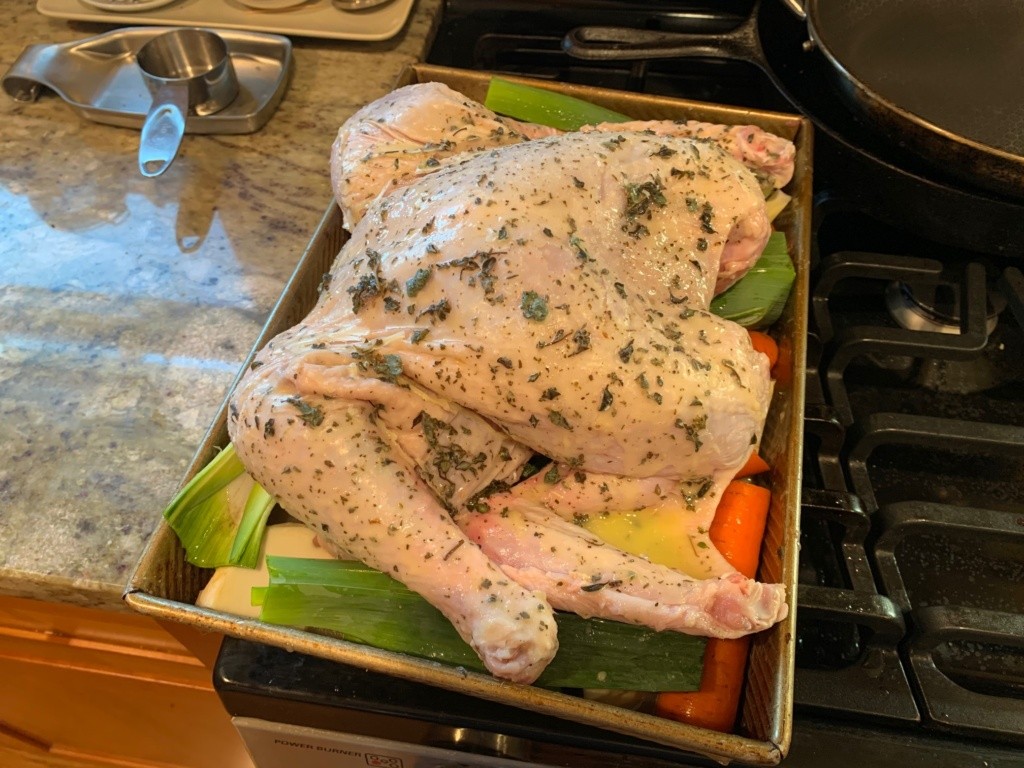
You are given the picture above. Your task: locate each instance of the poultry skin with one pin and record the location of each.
(546, 297)
(418, 128)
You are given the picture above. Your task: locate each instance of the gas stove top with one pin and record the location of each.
(910, 642)
(912, 559)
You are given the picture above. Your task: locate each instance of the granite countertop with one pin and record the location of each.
(127, 305)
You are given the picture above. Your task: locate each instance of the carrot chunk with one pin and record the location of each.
(764, 343)
(755, 466)
(737, 531)
(739, 523)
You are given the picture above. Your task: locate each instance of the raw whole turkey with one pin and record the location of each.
(542, 297)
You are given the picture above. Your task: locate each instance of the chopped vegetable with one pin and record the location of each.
(220, 514)
(739, 523)
(775, 203)
(737, 532)
(367, 606)
(536, 105)
(764, 343)
(755, 466)
(758, 298)
(715, 705)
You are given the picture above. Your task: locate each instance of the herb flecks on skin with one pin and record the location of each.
(640, 198)
(614, 143)
(446, 454)
(730, 366)
(482, 262)
(599, 585)
(693, 429)
(477, 502)
(560, 335)
(581, 338)
(534, 306)
(577, 245)
(384, 367)
(437, 311)
(415, 283)
(556, 418)
(694, 490)
(313, 415)
(707, 213)
(372, 285)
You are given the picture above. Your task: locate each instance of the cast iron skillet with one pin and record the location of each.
(943, 79)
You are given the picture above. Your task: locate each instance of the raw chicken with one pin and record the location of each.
(547, 296)
(408, 132)
(418, 128)
(771, 158)
(533, 531)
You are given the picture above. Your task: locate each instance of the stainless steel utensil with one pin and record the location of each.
(188, 71)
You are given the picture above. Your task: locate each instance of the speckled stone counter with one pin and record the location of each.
(127, 304)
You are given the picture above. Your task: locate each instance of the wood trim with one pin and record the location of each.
(85, 688)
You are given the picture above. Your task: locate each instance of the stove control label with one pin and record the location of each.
(278, 745)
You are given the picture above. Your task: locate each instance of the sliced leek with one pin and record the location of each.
(369, 607)
(550, 108)
(758, 298)
(220, 514)
(776, 203)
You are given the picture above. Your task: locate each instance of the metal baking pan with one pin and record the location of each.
(99, 78)
(163, 585)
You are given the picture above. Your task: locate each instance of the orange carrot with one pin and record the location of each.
(714, 705)
(764, 343)
(755, 466)
(739, 523)
(737, 531)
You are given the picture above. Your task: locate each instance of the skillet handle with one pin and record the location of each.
(797, 7)
(626, 43)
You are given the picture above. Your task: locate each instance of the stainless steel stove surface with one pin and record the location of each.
(910, 646)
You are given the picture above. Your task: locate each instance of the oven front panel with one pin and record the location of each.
(279, 745)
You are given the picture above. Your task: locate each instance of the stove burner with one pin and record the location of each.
(935, 307)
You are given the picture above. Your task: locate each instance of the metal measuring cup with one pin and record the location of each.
(188, 71)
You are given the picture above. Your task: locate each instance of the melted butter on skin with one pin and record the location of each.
(657, 533)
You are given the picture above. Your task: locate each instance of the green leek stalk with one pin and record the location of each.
(219, 516)
(550, 108)
(369, 607)
(757, 299)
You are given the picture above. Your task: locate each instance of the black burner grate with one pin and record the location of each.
(925, 428)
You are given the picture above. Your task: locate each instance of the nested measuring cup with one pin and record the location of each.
(188, 71)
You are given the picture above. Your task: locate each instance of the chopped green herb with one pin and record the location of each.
(534, 306)
(559, 420)
(415, 283)
(313, 415)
